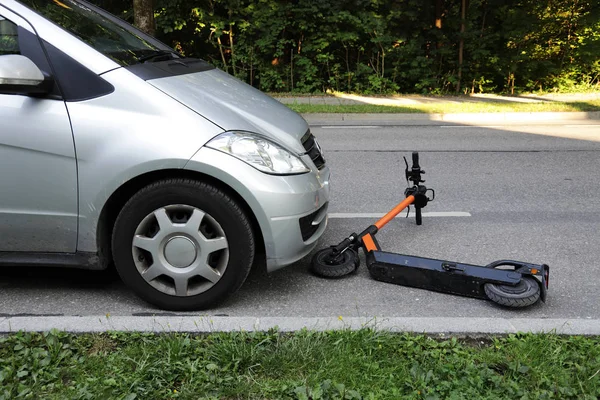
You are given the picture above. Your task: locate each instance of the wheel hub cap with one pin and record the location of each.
(180, 252)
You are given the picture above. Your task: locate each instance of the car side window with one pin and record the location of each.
(9, 37)
(72, 81)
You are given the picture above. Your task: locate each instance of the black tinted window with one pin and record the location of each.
(9, 37)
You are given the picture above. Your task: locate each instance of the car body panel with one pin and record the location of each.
(278, 202)
(38, 200)
(119, 137)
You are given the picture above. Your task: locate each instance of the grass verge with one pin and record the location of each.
(450, 108)
(306, 365)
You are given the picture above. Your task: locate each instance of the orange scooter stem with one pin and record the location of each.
(395, 211)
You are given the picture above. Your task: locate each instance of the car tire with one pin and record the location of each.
(182, 244)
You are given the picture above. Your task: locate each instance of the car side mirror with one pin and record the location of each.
(19, 75)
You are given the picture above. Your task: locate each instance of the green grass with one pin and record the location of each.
(450, 108)
(307, 365)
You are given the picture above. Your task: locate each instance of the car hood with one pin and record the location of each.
(234, 105)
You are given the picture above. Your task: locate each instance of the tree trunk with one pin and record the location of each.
(251, 67)
(222, 54)
(231, 41)
(567, 50)
(291, 70)
(143, 15)
(461, 45)
(348, 68)
(231, 47)
(483, 19)
(512, 85)
(439, 9)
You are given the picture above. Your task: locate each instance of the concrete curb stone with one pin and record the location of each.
(206, 324)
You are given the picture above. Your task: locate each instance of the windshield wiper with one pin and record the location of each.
(158, 53)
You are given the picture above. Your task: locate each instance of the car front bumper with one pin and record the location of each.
(290, 210)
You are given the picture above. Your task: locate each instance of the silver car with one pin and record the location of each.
(114, 148)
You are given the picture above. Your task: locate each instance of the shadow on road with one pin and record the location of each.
(40, 277)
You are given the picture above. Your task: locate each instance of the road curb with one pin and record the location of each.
(462, 118)
(206, 324)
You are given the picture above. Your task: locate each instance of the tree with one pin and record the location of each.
(384, 46)
(461, 45)
(143, 15)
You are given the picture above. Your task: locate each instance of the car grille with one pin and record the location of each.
(306, 224)
(313, 150)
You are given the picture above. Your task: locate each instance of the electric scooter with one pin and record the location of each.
(508, 283)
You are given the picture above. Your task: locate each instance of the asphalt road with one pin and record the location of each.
(532, 192)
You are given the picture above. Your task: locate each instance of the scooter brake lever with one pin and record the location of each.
(406, 171)
(432, 194)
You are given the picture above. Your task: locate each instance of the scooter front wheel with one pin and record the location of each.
(324, 264)
(524, 294)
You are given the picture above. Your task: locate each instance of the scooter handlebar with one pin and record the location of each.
(414, 173)
(415, 160)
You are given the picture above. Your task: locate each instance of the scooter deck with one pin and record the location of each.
(446, 276)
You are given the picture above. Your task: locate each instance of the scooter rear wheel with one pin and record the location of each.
(524, 294)
(322, 265)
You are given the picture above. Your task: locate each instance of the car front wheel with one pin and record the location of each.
(182, 244)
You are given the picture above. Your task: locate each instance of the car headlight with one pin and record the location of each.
(259, 152)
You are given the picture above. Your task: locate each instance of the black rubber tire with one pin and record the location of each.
(525, 294)
(321, 268)
(206, 197)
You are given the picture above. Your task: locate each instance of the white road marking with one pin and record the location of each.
(350, 126)
(402, 214)
(457, 126)
(520, 126)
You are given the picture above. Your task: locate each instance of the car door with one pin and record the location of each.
(38, 168)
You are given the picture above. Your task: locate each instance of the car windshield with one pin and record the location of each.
(118, 41)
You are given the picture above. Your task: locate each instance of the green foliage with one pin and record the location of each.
(363, 364)
(378, 47)
(8, 38)
(8, 45)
